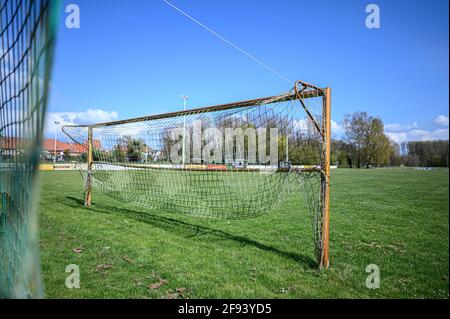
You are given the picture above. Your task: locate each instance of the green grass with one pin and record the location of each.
(397, 219)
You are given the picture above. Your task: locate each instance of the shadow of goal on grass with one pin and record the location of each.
(188, 230)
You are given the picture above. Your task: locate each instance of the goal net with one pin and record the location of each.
(26, 38)
(230, 161)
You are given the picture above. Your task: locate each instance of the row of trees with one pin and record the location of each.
(364, 144)
(426, 153)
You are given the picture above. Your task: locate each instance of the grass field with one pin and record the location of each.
(397, 219)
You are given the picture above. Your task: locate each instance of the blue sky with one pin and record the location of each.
(132, 58)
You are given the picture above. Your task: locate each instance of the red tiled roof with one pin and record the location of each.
(9, 142)
(77, 148)
(48, 144)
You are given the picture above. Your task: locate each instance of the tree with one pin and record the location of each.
(340, 153)
(129, 148)
(67, 155)
(119, 153)
(377, 147)
(135, 148)
(396, 158)
(427, 153)
(366, 139)
(356, 127)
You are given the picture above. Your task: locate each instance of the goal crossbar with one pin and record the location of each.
(305, 94)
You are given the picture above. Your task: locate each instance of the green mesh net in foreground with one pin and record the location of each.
(26, 38)
(230, 161)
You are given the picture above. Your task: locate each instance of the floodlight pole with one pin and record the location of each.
(54, 151)
(184, 97)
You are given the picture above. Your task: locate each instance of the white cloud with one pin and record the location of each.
(411, 132)
(400, 127)
(398, 137)
(441, 120)
(89, 116)
(418, 135)
(336, 129)
(441, 134)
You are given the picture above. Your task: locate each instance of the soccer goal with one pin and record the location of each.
(27, 30)
(229, 161)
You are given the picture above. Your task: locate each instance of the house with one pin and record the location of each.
(74, 149)
(12, 146)
(50, 146)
